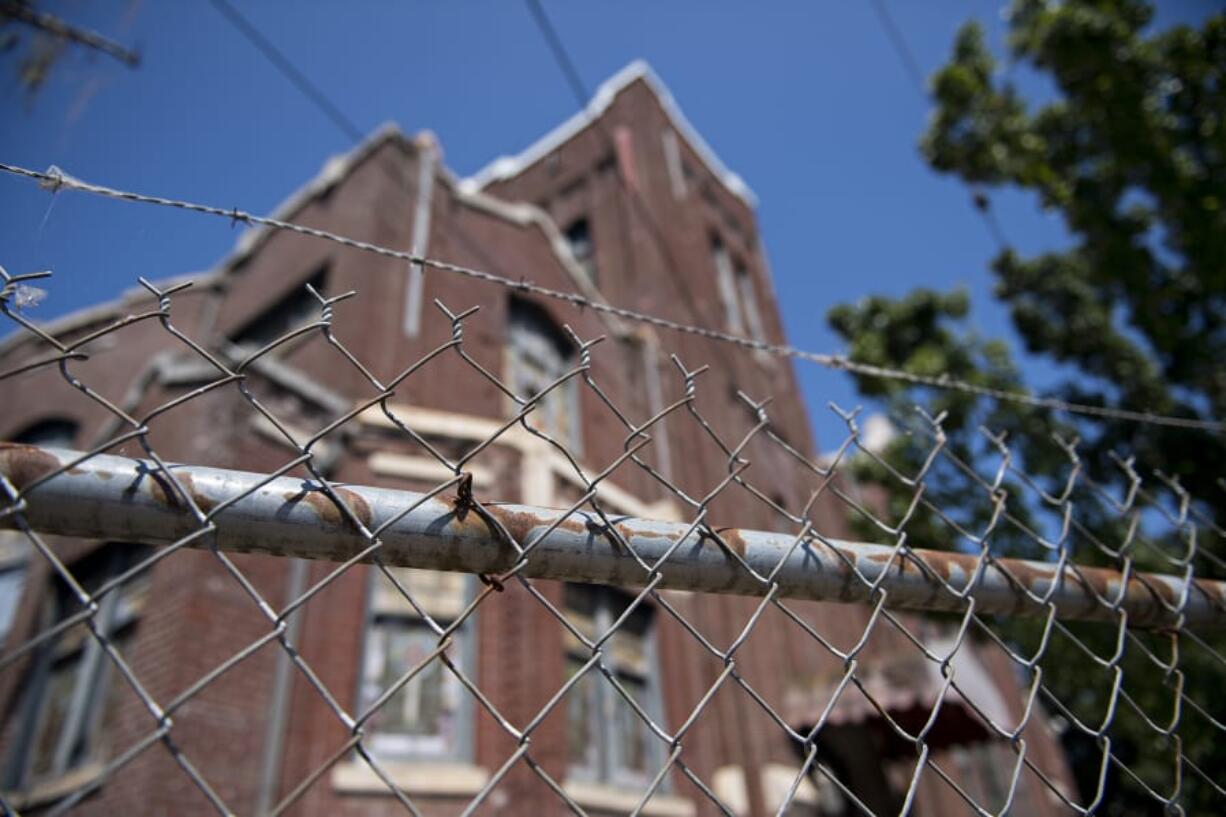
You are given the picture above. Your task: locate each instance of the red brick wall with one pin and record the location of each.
(653, 254)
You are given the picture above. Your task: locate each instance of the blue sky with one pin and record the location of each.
(808, 102)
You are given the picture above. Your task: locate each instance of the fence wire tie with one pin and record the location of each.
(462, 503)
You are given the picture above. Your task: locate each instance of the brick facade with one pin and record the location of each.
(652, 219)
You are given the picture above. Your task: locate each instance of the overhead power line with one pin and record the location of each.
(906, 55)
(560, 54)
(54, 180)
(287, 68)
(638, 203)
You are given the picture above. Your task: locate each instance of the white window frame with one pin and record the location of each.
(534, 362)
(605, 768)
(749, 303)
(392, 746)
(672, 158)
(725, 284)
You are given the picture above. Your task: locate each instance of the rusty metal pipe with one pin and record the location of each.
(109, 497)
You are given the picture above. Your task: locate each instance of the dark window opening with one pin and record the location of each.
(296, 308)
(579, 239)
(857, 756)
(54, 432)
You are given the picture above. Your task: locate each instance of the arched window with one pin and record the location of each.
(538, 354)
(52, 432)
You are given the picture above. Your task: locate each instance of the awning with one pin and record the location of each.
(908, 687)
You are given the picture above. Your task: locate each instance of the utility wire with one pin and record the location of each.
(55, 179)
(570, 72)
(560, 55)
(56, 27)
(979, 197)
(287, 68)
(298, 78)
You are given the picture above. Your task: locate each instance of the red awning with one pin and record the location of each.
(907, 689)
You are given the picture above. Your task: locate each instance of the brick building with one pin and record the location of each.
(623, 203)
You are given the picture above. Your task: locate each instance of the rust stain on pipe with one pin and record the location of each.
(326, 508)
(733, 539)
(26, 464)
(586, 549)
(164, 492)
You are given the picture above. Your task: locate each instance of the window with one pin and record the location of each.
(296, 308)
(672, 158)
(538, 355)
(749, 302)
(725, 283)
(607, 741)
(73, 689)
(579, 240)
(430, 717)
(54, 432)
(12, 582)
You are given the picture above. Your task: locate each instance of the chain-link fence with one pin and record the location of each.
(627, 645)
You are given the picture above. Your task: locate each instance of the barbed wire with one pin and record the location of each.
(55, 179)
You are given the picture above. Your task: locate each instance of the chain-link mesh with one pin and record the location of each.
(994, 710)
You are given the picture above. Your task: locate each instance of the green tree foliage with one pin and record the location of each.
(1130, 151)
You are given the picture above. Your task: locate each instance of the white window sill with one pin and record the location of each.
(439, 779)
(601, 797)
(54, 788)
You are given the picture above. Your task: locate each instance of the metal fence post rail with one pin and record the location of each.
(101, 496)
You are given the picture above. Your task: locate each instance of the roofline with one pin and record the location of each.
(334, 170)
(506, 167)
